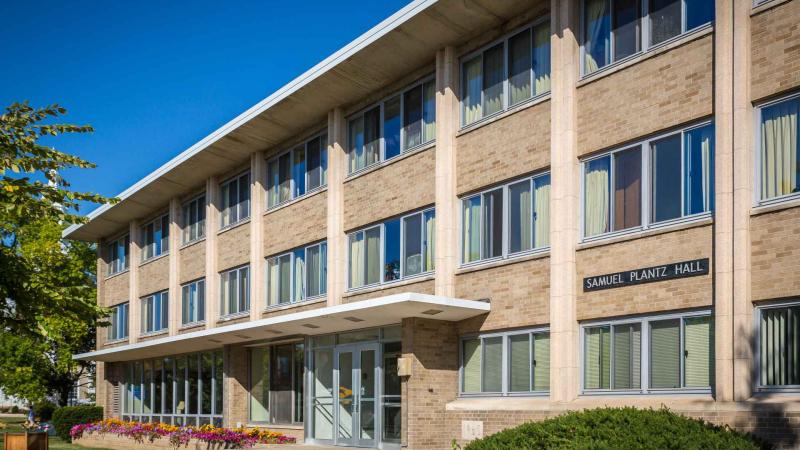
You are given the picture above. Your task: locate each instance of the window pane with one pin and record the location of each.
(244, 289)
(493, 80)
(779, 149)
(147, 388)
(493, 224)
(299, 171)
(541, 59)
(627, 189)
(180, 382)
(779, 346)
(597, 206)
(541, 211)
(519, 364)
(284, 189)
(208, 363)
(233, 201)
(698, 360)
(391, 249)
(299, 290)
(355, 156)
(666, 171)
(412, 117)
(471, 229)
(429, 240)
(520, 217)
(372, 135)
(665, 363)
(219, 389)
(244, 196)
(597, 367)
(698, 12)
(324, 268)
(391, 127)
(284, 278)
(158, 393)
(356, 259)
(627, 356)
(373, 255)
(428, 111)
(472, 366)
(471, 97)
(313, 269)
(519, 67)
(201, 300)
(493, 364)
(259, 384)
(314, 163)
(412, 244)
(299, 372)
(626, 28)
(699, 170)
(665, 20)
(597, 34)
(324, 159)
(541, 362)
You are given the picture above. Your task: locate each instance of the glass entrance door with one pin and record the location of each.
(356, 370)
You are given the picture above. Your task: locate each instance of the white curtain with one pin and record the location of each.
(356, 155)
(430, 241)
(357, 260)
(493, 62)
(597, 197)
(596, 14)
(299, 277)
(705, 151)
(541, 232)
(472, 90)
(541, 58)
(525, 219)
(519, 67)
(472, 229)
(779, 149)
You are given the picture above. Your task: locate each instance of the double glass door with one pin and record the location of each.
(356, 372)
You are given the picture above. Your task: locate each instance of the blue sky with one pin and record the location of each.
(154, 77)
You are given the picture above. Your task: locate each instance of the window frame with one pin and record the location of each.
(759, 107)
(160, 220)
(292, 275)
(381, 104)
(506, 358)
(116, 322)
(235, 180)
(757, 385)
(148, 326)
(506, 213)
(645, 351)
(222, 305)
(646, 211)
(185, 313)
(112, 248)
(323, 136)
(186, 224)
(506, 100)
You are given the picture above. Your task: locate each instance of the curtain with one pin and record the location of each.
(372, 136)
(519, 67)
(698, 170)
(780, 346)
(429, 111)
(520, 217)
(493, 62)
(596, 197)
(412, 117)
(471, 378)
(284, 178)
(698, 352)
(299, 275)
(355, 156)
(284, 276)
(541, 231)
(541, 362)
(273, 281)
(541, 59)
(313, 271)
(597, 34)
(357, 259)
(472, 90)
(519, 347)
(373, 247)
(665, 350)
(430, 241)
(779, 149)
(472, 229)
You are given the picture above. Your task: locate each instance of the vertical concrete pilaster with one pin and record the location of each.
(175, 221)
(564, 375)
(135, 255)
(258, 195)
(337, 167)
(212, 226)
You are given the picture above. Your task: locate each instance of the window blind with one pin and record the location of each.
(665, 354)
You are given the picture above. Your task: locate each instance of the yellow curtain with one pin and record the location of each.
(429, 111)
(597, 198)
(357, 260)
(472, 229)
(541, 232)
(272, 295)
(373, 238)
(779, 149)
(430, 241)
(541, 58)
(595, 17)
(525, 218)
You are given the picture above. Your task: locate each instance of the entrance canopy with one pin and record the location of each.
(332, 319)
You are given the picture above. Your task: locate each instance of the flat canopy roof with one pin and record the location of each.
(388, 310)
(404, 42)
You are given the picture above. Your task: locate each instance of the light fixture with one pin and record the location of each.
(431, 312)
(353, 319)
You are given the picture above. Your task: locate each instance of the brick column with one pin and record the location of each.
(134, 325)
(337, 169)
(212, 226)
(175, 221)
(258, 195)
(564, 202)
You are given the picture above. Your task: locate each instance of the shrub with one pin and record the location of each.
(68, 416)
(611, 428)
(15, 409)
(44, 410)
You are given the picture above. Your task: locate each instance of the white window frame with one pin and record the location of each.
(506, 357)
(292, 275)
(189, 222)
(238, 270)
(148, 325)
(506, 214)
(645, 354)
(757, 201)
(506, 96)
(323, 136)
(118, 321)
(644, 35)
(757, 385)
(382, 227)
(382, 143)
(187, 287)
(645, 148)
(157, 223)
(239, 217)
(118, 263)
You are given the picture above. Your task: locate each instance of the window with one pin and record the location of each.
(674, 173)
(396, 249)
(155, 238)
(235, 195)
(184, 390)
(117, 254)
(778, 149)
(235, 291)
(675, 352)
(118, 328)
(193, 302)
(276, 384)
(506, 220)
(298, 275)
(298, 171)
(155, 312)
(506, 363)
(616, 29)
(194, 219)
(506, 73)
(778, 345)
(401, 123)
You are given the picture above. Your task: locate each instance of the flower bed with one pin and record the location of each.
(180, 436)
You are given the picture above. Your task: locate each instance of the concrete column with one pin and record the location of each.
(212, 226)
(446, 201)
(564, 202)
(102, 270)
(337, 170)
(723, 201)
(258, 196)
(175, 221)
(135, 255)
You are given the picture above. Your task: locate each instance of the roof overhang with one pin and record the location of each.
(388, 310)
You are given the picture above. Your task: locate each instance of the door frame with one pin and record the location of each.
(356, 349)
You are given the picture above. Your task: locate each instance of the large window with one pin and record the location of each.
(505, 73)
(401, 123)
(193, 302)
(297, 275)
(235, 291)
(298, 171)
(155, 312)
(235, 198)
(778, 337)
(276, 384)
(511, 363)
(778, 149)
(616, 29)
(506, 220)
(396, 249)
(182, 390)
(118, 328)
(194, 219)
(117, 255)
(652, 354)
(653, 182)
(155, 238)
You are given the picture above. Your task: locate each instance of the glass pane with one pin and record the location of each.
(138, 392)
(323, 394)
(472, 86)
(244, 196)
(180, 385)
(244, 289)
(158, 387)
(391, 249)
(698, 12)
(346, 395)
(412, 117)
(193, 379)
(281, 386)
(219, 389)
(147, 388)
(367, 395)
(665, 362)
(541, 211)
(324, 159)
(519, 67)
(299, 275)
(597, 205)
(627, 356)
(519, 364)
(313, 148)
(665, 20)
(391, 127)
(273, 183)
(699, 170)
(355, 157)
(541, 59)
(358, 336)
(372, 135)
(299, 171)
(356, 259)
(627, 189)
(597, 358)
(284, 177)
(471, 378)
(597, 20)
(412, 244)
(779, 149)
(471, 229)
(313, 270)
(259, 384)
(493, 364)
(297, 379)
(626, 28)
(493, 80)
(520, 217)
(541, 362)
(428, 111)
(666, 171)
(429, 240)
(493, 224)
(698, 352)
(206, 377)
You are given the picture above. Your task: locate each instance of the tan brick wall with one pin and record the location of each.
(192, 262)
(509, 147)
(235, 394)
(116, 289)
(519, 293)
(775, 257)
(297, 224)
(775, 50)
(396, 188)
(233, 247)
(154, 276)
(663, 91)
(421, 287)
(675, 246)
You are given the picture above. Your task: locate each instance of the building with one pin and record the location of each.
(477, 214)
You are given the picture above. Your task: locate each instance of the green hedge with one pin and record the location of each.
(613, 428)
(43, 410)
(68, 416)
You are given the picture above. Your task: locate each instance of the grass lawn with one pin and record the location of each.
(14, 425)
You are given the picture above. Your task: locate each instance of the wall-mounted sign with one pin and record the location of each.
(663, 272)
